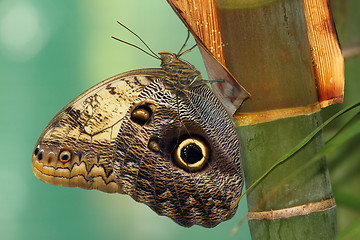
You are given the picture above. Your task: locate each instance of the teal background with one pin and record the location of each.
(50, 52)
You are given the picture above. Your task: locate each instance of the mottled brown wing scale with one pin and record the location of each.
(88, 126)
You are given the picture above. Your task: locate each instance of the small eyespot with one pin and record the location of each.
(37, 149)
(65, 156)
(141, 114)
(154, 145)
(191, 154)
(40, 155)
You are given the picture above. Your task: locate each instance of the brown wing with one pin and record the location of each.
(175, 150)
(77, 146)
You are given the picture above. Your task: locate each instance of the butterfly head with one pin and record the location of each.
(172, 60)
(181, 74)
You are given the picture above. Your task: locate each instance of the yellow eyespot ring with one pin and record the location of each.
(65, 156)
(192, 154)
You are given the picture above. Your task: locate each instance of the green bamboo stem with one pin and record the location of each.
(268, 51)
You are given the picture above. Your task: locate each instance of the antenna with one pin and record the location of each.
(179, 54)
(151, 53)
(183, 46)
(154, 56)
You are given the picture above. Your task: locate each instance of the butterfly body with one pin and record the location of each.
(158, 135)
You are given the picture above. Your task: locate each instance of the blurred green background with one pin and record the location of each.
(50, 52)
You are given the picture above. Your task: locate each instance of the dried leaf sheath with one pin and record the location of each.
(326, 53)
(201, 20)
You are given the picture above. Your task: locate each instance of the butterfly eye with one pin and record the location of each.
(191, 154)
(141, 114)
(65, 156)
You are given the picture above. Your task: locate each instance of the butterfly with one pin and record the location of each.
(159, 135)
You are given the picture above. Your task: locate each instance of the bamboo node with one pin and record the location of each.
(305, 209)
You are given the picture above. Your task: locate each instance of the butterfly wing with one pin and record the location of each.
(175, 150)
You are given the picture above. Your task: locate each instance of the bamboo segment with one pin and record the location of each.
(273, 58)
(291, 191)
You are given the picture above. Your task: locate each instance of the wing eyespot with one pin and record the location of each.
(37, 150)
(141, 114)
(65, 156)
(154, 144)
(192, 154)
(40, 155)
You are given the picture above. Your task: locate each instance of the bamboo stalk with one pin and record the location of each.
(270, 55)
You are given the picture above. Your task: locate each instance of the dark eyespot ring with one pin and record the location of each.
(191, 154)
(141, 114)
(64, 156)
